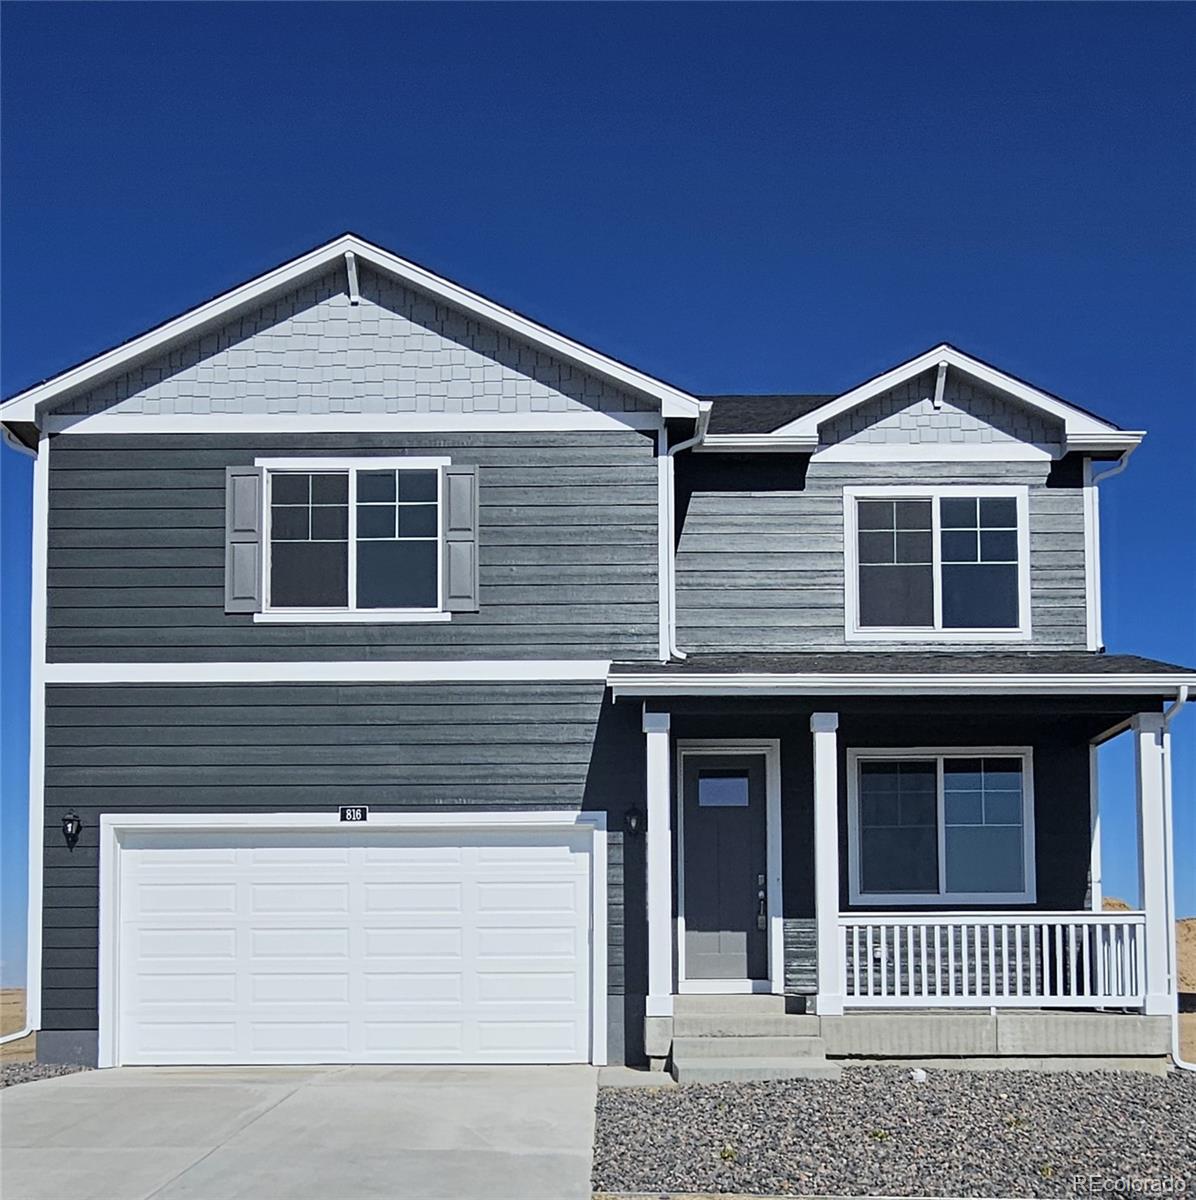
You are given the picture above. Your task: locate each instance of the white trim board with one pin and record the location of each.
(104, 424)
(895, 684)
(580, 670)
(114, 825)
(29, 404)
(856, 755)
(770, 750)
(38, 673)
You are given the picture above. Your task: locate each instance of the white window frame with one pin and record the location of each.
(855, 757)
(350, 614)
(855, 632)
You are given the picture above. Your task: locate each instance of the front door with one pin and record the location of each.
(724, 843)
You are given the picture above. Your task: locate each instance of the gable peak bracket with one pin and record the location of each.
(940, 384)
(351, 271)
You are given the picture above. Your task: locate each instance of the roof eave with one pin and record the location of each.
(646, 685)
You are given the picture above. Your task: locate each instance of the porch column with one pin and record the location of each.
(1152, 861)
(658, 1012)
(823, 727)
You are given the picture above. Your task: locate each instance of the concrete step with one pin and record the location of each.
(743, 1070)
(747, 1005)
(747, 1025)
(748, 1047)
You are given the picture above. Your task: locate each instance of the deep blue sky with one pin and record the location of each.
(749, 198)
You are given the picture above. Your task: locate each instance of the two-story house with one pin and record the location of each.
(412, 683)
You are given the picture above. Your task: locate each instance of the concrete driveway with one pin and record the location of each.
(325, 1133)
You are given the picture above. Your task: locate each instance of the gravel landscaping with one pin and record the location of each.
(12, 1073)
(879, 1132)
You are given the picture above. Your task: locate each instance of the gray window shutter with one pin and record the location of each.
(461, 539)
(243, 539)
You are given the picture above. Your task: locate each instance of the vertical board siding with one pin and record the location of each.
(763, 569)
(309, 748)
(567, 549)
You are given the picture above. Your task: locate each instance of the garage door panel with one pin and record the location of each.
(385, 947)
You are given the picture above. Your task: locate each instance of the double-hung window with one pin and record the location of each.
(940, 827)
(354, 537)
(938, 563)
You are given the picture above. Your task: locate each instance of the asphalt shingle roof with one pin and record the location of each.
(761, 414)
(1028, 662)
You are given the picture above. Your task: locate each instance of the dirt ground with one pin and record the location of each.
(12, 1017)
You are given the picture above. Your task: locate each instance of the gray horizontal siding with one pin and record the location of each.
(310, 747)
(568, 550)
(763, 570)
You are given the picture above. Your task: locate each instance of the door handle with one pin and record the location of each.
(762, 911)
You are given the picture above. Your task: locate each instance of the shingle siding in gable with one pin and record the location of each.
(970, 414)
(763, 570)
(312, 352)
(567, 547)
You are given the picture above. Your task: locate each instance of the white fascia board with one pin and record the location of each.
(104, 424)
(1077, 424)
(26, 405)
(579, 670)
(858, 684)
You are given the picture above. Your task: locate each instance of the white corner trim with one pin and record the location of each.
(861, 683)
(1077, 423)
(37, 732)
(770, 750)
(113, 826)
(580, 670)
(116, 423)
(855, 756)
(1092, 564)
(24, 406)
(938, 634)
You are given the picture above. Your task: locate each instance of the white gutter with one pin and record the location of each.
(1122, 463)
(668, 642)
(674, 683)
(1169, 714)
(10, 439)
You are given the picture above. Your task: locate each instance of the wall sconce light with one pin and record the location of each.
(72, 826)
(633, 820)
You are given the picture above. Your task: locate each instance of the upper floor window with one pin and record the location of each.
(949, 563)
(354, 538)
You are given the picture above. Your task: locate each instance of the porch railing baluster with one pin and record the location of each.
(1062, 960)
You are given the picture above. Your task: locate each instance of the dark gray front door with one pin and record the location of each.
(724, 841)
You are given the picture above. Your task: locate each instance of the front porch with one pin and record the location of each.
(1038, 971)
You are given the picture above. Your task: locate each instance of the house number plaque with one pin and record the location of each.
(354, 812)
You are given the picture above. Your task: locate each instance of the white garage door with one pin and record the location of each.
(354, 946)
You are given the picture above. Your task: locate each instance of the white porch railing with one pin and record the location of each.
(1002, 959)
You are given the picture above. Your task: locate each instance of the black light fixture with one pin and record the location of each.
(633, 820)
(72, 826)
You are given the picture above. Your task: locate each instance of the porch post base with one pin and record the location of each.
(1159, 1004)
(658, 1038)
(657, 1064)
(828, 1006)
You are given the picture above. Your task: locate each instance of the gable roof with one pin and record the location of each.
(347, 250)
(799, 430)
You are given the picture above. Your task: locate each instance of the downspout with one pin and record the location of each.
(1169, 714)
(670, 520)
